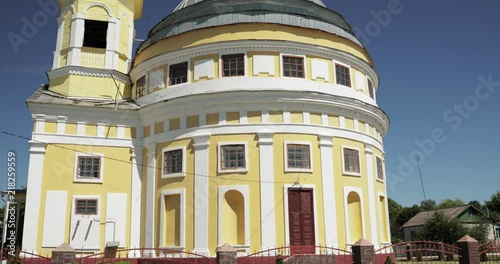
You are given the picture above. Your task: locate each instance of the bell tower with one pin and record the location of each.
(94, 48)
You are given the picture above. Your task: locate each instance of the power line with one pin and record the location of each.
(131, 163)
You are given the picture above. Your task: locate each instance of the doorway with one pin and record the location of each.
(301, 221)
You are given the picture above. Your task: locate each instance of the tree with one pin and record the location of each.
(476, 204)
(394, 211)
(448, 203)
(494, 206)
(427, 205)
(447, 230)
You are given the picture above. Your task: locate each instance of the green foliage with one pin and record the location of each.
(494, 206)
(279, 259)
(444, 229)
(398, 215)
(388, 260)
(448, 203)
(427, 205)
(476, 204)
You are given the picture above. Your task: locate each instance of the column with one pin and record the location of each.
(328, 181)
(33, 196)
(267, 201)
(201, 185)
(135, 207)
(76, 40)
(150, 198)
(370, 178)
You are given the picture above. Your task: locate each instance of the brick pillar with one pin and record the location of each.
(363, 252)
(226, 255)
(469, 250)
(64, 254)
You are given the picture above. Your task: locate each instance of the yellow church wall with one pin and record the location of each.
(58, 174)
(304, 178)
(342, 180)
(275, 117)
(349, 123)
(70, 129)
(212, 119)
(83, 86)
(215, 58)
(249, 178)
(316, 119)
(110, 132)
(255, 32)
(158, 128)
(50, 127)
(254, 117)
(130, 132)
(296, 117)
(333, 121)
(310, 73)
(65, 38)
(192, 121)
(276, 56)
(147, 131)
(186, 183)
(362, 127)
(175, 124)
(91, 130)
(233, 117)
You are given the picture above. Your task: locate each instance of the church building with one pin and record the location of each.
(248, 122)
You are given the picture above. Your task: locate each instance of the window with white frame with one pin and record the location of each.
(298, 156)
(343, 74)
(140, 87)
(178, 73)
(370, 89)
(173, 162)
(380, 169)
(293, 66)
(351, 161)
(233, 65)
(86, 206)
(232, 157)
(89, 167)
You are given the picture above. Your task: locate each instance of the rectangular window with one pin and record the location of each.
(380, 169)
(140, 87)
(173, 161)
(233, 65)
(89, 167)
(293, 67)
(178, 73)
(232, 157)
(95, 34)
(351, 160)
(298, 156)
(370, 89)
(343, 75)
(86, 206)
(498, 233)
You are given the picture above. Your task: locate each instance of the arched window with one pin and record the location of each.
(233, 218)
(355, 217)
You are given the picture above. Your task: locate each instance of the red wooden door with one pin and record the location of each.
(301, 221)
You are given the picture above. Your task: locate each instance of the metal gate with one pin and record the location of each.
(417, 252)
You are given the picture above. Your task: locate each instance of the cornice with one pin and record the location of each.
(90, 72)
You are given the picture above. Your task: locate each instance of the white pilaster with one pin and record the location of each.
(371, 195)
(60, 32)
(201, 184)
(356, 124)
(286, 117)
(267, 201)
(222, 118)
(203, 120)
(150, 198)
(135, 207)
(80, 128)
(101, 129)
(265, 116)
(243, 117)
(33, 196)
(342, 121)
(324, 119)
(40, 123)
(120, 133)
(61, 125)
(76, 39)
(307, 117)
(111, 46)
(328, 181)
(182, 122)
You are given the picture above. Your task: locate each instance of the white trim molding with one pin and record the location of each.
(78, 179)
(370, 179)
(220, 170)
(286, 187)
(150, 199)
(182, 208)
(347, 191)
(329, 197)
(244, 191)
(177, 174)
(285, 154)
(267, 199)
(136, 198)
(350, 173)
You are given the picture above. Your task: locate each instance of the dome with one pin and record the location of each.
(185, 3)
(193, 15)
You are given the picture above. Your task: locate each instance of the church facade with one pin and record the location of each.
(253, 123)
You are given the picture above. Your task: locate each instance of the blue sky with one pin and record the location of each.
(439, 65)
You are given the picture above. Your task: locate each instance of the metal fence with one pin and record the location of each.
(301, 254)
(145, 256)
(417, 252)
(490, 252)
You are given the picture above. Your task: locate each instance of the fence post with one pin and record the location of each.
(363, 252)
(469, 250)
(226, 255)
(64, 254)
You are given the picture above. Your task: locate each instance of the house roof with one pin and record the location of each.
(420, 218)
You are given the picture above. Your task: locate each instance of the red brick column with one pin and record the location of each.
(226, 255)
(469, 250)
(64, 254)
(363, 252)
